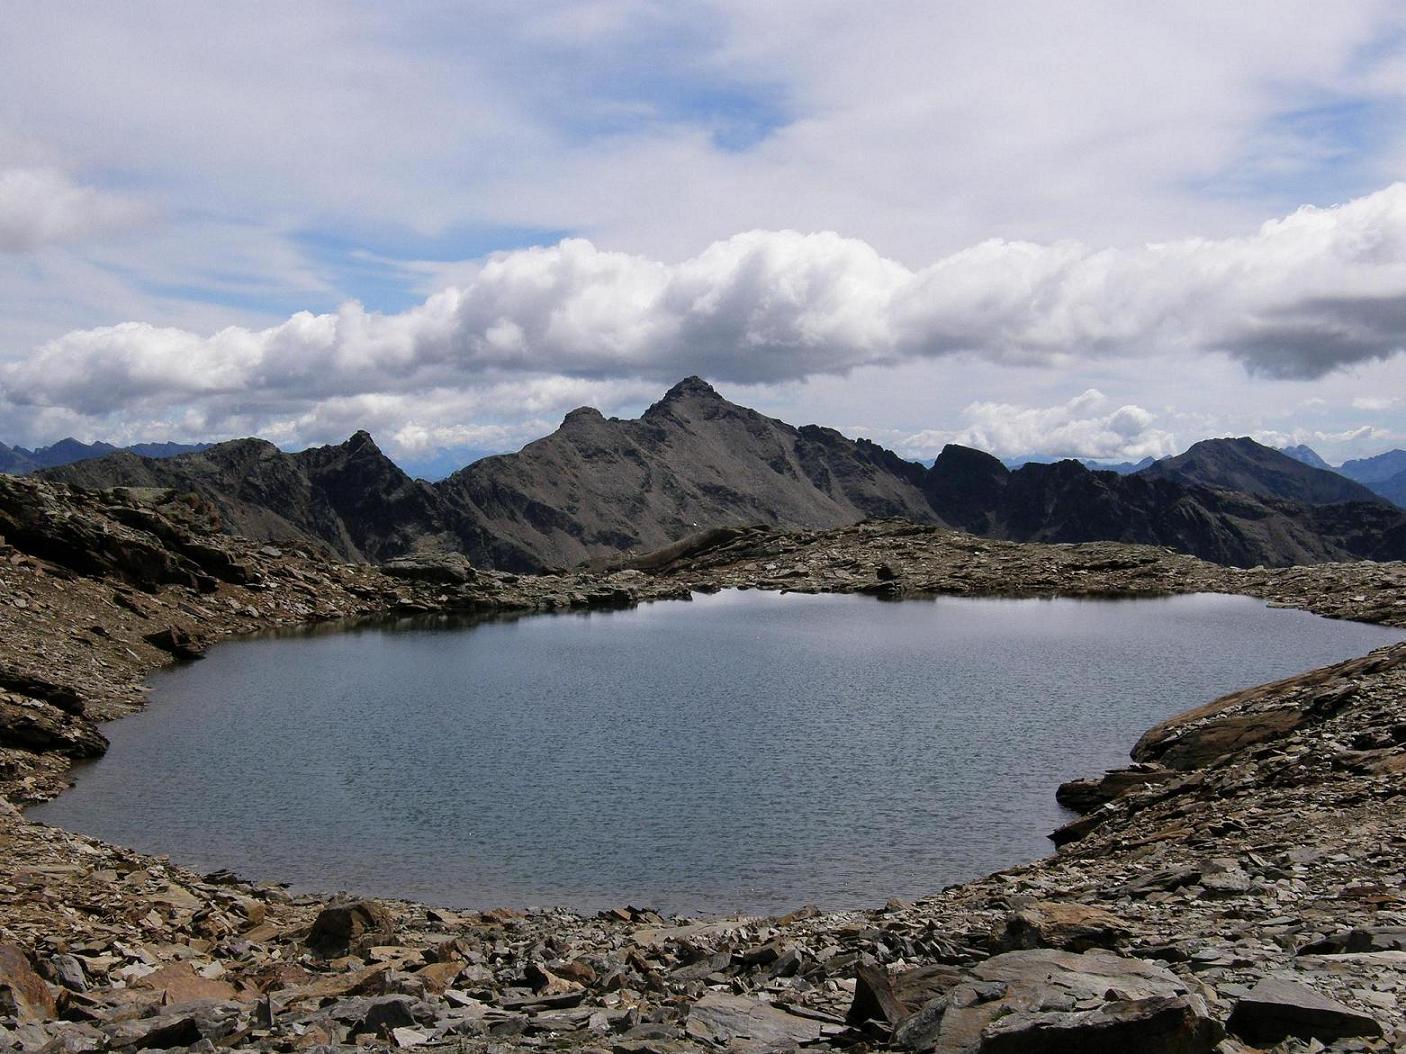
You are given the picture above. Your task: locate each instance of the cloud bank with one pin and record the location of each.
(1305, 295)
(1085, 426)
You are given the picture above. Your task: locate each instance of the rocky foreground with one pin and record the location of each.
(1241, 886)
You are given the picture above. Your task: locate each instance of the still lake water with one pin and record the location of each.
(746, 751)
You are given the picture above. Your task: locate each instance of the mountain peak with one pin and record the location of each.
(1307, 455)
(694, 387)
(1241, 464)
(361, 440)
(692, 395)
(582, 414)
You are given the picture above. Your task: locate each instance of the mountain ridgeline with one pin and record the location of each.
(599, 488)
(18, 461)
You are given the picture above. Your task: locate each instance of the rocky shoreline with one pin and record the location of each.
(1241, 886)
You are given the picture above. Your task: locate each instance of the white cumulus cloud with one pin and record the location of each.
(1084, 426)
(1303, 296)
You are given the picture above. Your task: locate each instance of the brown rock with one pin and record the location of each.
(22, 991)
(1056, 924)
(438, 976)
(351, 929)
(179, 983)
(175, 641)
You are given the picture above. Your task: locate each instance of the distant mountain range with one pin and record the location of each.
(18, 461)
(598, 487)
(1123, 468)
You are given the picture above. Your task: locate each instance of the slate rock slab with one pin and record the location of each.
(737, 1023)
(1278, 1008)
(1048, 1001)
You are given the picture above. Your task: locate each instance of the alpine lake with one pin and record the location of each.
(748, 751)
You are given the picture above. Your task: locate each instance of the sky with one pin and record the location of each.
(1088, 229)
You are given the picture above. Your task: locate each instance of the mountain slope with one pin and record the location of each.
(349, 498)
(1245, 466)
(693, 460)
(1306, 455)
(1377, 469)
(1066, 502)
(1392, 489)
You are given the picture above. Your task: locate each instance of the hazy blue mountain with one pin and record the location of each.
(1307, 455)
(1377, 469)
(1123, 468)
(1393, 489)
(17, 460)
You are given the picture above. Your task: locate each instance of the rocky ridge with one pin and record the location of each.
(598, 487)
(1241, 886)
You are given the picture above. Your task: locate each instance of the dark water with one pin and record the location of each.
(747, 751)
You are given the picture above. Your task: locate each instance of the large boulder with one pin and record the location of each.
(747, 1025)
(30, 724)
(1056, 924)
(349, 929)
(1047, 1001)
(1278, 1008)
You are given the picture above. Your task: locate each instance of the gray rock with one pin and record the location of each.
(1056, 1001)
(748, 1025)
(68, 971)
(1277, 1009)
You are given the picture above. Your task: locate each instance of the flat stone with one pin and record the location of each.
(739, 1023)
(181, 984)
(1278, 1008)
(1047, 1000)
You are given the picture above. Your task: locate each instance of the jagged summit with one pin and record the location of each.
(689, 392)
(361, 441)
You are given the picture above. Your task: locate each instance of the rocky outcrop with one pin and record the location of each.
(349, 500)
